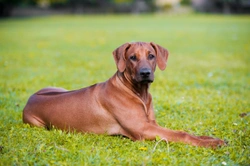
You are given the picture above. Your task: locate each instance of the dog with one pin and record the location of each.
(120, 106)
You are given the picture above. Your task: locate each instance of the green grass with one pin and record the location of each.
(203, 90)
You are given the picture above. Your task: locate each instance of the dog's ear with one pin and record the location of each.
(161, 55)
(119, 56)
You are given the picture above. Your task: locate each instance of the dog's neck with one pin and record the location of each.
(140, 89)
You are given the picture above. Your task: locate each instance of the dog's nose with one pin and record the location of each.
(145, 72)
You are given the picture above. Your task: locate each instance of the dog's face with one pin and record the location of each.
(139, 60)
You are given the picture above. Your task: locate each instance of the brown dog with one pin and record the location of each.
(119, 106)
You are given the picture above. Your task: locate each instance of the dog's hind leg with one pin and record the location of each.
(32, 120)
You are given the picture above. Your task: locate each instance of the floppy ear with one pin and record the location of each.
(119, 56)
(161, 55)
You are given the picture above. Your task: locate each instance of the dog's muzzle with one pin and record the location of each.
(146, 75)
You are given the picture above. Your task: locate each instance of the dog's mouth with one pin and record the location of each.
(146, 81)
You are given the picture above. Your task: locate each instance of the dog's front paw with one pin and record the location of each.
(214, 143)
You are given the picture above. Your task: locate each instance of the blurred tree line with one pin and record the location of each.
(222, 6)
(74, 6)
(126, 6)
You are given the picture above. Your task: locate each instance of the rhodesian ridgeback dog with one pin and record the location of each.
(120, 106)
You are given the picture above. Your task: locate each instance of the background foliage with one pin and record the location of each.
(204, 90)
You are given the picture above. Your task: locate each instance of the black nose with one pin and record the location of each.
(145, 72)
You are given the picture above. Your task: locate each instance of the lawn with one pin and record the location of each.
(205, 89)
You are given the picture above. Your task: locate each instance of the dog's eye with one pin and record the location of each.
(133, 58)
(151, 56)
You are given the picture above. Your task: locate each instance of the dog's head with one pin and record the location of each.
(139, 60)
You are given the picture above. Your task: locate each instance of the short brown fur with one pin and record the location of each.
(121, 105)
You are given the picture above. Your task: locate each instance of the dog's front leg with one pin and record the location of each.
(152, 131)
